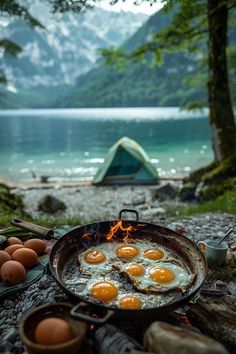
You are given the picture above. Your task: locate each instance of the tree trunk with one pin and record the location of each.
(221, 112)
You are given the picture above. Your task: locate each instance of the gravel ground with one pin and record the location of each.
(89, 203)
(98, 204)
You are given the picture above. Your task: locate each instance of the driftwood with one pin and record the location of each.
(215, 319)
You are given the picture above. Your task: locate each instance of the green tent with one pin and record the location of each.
(126, 162)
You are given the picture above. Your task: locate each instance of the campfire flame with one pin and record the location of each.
(118, 226)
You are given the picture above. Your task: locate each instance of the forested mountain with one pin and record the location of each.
(54, 57)
(142, 85)
(59, 66)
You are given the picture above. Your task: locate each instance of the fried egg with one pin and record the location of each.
(159, 278)
(101, 259)
(130, 302)
(97, 259)
(101, 289)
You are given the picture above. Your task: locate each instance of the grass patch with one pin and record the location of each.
(225, 203)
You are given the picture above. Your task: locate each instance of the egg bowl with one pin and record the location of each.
(61, 311)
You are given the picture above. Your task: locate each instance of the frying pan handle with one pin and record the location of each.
(36, 229)
(129, 211)
(80, 316)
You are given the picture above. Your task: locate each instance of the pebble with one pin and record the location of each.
(231, 289)
(46, 290)
(220, 283)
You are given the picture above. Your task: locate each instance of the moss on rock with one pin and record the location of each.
(210, 182)
(9, 201)
(206, 192)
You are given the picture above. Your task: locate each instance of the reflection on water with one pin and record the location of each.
(71, 144)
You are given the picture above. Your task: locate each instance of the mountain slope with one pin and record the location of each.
(66, 49)
(140, 85)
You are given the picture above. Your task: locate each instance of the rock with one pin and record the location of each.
(220, 283)
(139, 199)
(50, 204)
(177, 226)
(150, 213)
(162, 338)
(187, 192)
(233, 246)
(166, 191)
(231, 289)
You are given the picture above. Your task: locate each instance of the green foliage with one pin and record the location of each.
(10, 47)
(226, 203)
(136, 85)
(14, 8)
(213, 190)
(225, 170)
(9, 203)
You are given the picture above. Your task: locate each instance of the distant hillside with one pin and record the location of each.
(58, 55)
(137, 84)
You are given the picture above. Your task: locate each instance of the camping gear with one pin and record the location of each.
(125, 163)
(215, 255)
(63, 264)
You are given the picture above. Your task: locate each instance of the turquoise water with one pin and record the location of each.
(70, 144)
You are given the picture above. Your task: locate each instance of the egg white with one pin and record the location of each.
(182, 279)
(99, 268)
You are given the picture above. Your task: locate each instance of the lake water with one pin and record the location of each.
(70, 144)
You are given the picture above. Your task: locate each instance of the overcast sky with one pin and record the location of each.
(129, 6)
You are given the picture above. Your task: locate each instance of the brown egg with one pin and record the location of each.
(53, 330)
(13, 248)
(4, 257)
(37, 245)
(13, 241)
(25, 256)
(13, 272)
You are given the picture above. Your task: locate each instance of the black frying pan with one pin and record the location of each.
(63, 264)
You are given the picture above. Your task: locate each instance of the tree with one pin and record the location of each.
(194, 23)
(13, 8)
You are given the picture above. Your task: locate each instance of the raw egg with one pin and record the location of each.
(4, 257)
(13, 272)
(53, 330)
(13, 241)
(25, 256)
(13, 248)
(39, 246)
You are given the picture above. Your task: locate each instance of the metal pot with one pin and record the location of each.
(64, 265)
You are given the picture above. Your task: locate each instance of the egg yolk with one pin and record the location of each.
(153, 254)
(162, 275)
(127, 251)
(135, 270)
(94, 257)
(104, 291)
(130, 303)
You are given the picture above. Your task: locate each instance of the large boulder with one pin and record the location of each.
(164, 338)
(165, 192)
(50, 204)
